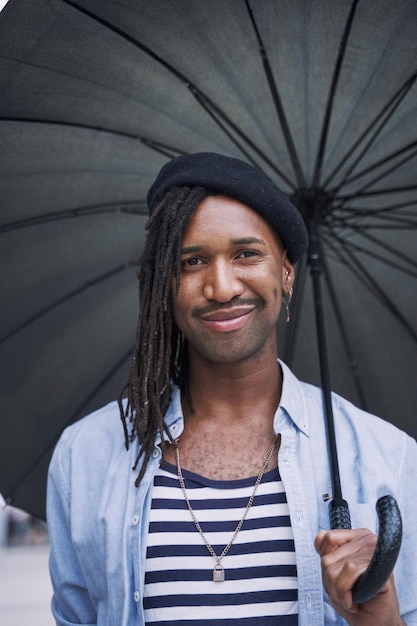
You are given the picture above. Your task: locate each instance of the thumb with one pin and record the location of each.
(318, 542)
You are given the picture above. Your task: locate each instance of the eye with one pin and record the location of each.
(247, 254)
(192, 262)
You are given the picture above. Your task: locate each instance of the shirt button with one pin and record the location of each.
(156, 453)
(136, 595)
(136, 520)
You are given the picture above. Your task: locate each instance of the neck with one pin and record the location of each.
(239, 391)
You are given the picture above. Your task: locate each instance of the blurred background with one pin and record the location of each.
(25, 588)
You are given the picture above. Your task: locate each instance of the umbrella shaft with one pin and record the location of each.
(314, 254)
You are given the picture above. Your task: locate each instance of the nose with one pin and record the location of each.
(221, 282)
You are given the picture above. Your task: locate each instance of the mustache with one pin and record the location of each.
(234, 302)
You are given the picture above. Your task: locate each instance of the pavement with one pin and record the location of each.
(25, 588)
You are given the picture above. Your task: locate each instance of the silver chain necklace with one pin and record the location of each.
(218, 571)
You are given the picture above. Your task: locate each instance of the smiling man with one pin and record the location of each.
(221, 521)
(233, 266)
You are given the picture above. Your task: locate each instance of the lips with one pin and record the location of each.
(227, 320)
(223, 315)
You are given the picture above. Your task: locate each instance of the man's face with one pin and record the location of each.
(233, 266)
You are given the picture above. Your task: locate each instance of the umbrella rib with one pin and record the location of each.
(161, 148)
(392, 222)
(353, 217)
(394, 251)
(74, 417)
(213, 112)
(384, 174)
(354, 246)
(379, 211)
(277, 102)
(65, 298)
(353, 364)
(345, 259)
(197, 93)
(61, 73)
(373, 287)
(396, 225)
(94, 209)
(331, 97)
(381, 162)
(363, 193)
(384, 116)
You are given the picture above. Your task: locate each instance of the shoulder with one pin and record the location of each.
(353, 425)
(90, 462)
(368, 444)
(365, 422)
(103, 426)
(95, 441)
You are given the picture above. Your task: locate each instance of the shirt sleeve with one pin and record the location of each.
(406, 569)
(71, 603)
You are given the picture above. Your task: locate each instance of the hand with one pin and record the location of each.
(345, 555)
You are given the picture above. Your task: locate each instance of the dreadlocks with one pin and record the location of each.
(159, 355)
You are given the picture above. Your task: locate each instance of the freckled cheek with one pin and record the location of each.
(266, 287)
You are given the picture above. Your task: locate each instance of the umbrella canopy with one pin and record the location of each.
(96, 96)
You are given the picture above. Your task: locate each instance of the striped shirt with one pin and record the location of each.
(260, 587)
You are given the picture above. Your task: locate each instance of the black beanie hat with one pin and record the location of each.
(241, 181)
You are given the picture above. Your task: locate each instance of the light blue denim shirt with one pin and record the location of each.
(98, 519)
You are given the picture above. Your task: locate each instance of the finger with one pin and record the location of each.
(352, 556)
(342, 566)
(332, 540)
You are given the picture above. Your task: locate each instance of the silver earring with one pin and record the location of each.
(286, 298)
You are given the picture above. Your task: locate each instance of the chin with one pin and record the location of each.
(232, 355)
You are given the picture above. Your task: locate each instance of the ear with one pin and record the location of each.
(288, 275)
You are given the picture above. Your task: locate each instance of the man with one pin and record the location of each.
(222, 520)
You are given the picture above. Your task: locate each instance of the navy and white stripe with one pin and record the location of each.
(260, 570)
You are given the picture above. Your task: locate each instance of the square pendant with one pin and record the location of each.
(218, 574)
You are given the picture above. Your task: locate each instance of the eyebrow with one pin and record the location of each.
(244, 241)
(190, 249)
(248, 240)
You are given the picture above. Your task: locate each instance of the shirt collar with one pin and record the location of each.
(293, 400)
(174, 418)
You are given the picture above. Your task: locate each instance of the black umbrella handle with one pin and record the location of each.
(386, 551)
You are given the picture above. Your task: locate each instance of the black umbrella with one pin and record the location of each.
(96, 96)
